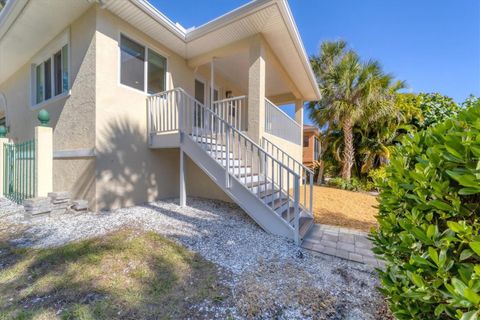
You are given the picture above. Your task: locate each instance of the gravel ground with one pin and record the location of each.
(271, 277)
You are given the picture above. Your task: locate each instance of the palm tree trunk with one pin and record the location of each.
(348, 151)
(321, 170)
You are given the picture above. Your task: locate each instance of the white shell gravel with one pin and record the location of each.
(221, 233)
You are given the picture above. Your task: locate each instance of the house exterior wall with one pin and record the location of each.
(128, 172)
(309, 150)
(72, 117)
(110, 119)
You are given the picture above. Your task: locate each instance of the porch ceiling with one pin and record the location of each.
(26, 26)
(234, 68)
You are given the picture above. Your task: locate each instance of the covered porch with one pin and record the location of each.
(246, 85)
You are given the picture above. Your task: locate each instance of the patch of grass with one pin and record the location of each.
(128, 274)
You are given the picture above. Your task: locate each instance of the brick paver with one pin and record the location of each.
(341, 242)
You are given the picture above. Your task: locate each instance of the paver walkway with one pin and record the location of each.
(341, 242)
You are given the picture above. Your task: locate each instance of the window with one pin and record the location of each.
(133, 67)
(306, 141)
(51, 76)
(157, 70)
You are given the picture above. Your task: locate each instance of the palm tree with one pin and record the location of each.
(352, 91)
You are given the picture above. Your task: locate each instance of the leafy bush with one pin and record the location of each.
(378, 176)
(353, 185)
(429, 220)
(436, 108)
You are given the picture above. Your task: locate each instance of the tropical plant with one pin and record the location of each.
(352, 91)
(471, 101)
(435, 108)
(429, 222)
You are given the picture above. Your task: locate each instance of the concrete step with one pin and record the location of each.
(249, 178)
(279, 204)
(269, 195)
(233, 162)
(220, 154)
(240, 170)
(257, 186)
(306, 223)
(204, 140)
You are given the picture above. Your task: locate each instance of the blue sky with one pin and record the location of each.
(432, 44)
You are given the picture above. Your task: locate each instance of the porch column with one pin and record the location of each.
(183, 191)
(43, 156)
(256, 90)
(299, 117)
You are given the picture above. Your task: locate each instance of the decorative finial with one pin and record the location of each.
(3, 131)
(43, 117)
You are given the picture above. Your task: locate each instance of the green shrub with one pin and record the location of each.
(343, 184)
(429, 218)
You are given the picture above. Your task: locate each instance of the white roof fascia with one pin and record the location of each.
(160, 18)
(9, 14)
(291, 25)
(227, 18)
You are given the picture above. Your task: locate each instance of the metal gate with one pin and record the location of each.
(19, 170)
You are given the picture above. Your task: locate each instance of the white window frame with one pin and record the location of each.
(145, 64)
(46, 53)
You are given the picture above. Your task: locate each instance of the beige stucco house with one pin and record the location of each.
(144, 109)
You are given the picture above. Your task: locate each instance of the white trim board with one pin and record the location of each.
(77, 153)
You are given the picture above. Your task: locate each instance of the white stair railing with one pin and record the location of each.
(243, 160)
(233, 111)
(279, 124)
(304, 172)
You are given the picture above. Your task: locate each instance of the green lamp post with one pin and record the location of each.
(43, 117)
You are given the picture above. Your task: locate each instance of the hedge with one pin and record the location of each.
(429, 222)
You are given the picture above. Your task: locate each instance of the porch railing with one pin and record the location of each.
(162, 109)
(279, 124)
(19, 170)
(233, 111)
(305, 174)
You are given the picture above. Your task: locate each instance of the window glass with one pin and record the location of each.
(306, 141)
(57, 72)
(65, 68)
(48, 78)
(132, 67)
(199, 91)
(39, 83)
(157, 70)
(51, 76)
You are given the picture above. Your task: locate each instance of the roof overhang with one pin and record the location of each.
(271, 18)
(37, 22)
(27, 26)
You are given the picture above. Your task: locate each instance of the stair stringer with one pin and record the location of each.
(265, 217)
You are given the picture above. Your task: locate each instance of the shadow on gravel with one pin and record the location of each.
(128, 274)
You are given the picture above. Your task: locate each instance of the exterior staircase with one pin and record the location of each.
(265, 188)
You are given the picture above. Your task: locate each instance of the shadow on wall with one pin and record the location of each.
(128, 172)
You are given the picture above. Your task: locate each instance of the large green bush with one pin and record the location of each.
(429, 219)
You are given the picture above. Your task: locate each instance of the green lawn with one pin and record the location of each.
(128, 274)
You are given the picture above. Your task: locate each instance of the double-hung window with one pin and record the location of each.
(141, 68)
(51, 76)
